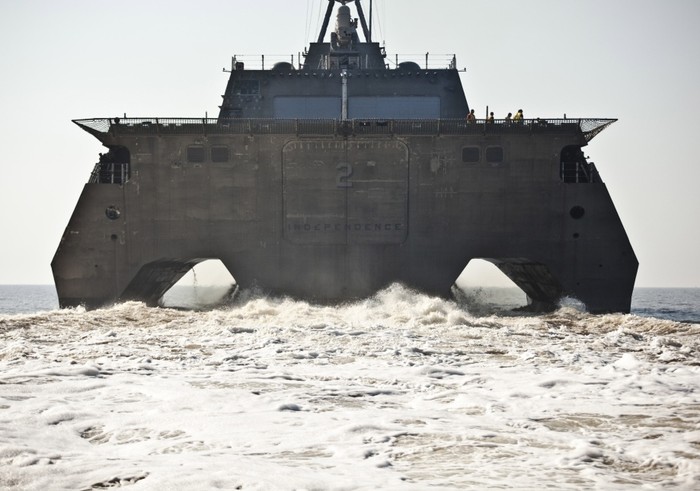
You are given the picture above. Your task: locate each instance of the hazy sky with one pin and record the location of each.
(636, 60)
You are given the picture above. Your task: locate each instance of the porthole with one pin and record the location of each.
(577, 212)
(112, 212)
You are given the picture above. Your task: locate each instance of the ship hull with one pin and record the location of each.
(336, 217)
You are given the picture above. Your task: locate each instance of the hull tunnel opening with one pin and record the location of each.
(206, 285)
(484, 289)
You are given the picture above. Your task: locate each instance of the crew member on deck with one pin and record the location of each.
(518, 118)
(490, 118)
(471, 117)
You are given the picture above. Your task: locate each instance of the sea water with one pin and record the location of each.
(400, 391)
(679, 304)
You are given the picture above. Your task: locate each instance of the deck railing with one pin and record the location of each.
(425, 61)
(589, 127)
(109, 173)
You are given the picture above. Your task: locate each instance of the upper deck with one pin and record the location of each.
(109, 128)
(344, 78)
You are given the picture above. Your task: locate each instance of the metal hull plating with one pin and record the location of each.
(334, 211)
(336, 177)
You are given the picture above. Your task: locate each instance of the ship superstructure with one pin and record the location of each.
(333, 176)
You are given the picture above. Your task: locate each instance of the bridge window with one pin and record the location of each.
(195, 153)
(219, 153)
(394, 107)
(246, 87)
(471, 154)
(494, 154)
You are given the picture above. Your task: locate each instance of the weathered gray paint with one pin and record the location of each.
(331, 210)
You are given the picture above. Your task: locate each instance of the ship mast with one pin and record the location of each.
(365, 30)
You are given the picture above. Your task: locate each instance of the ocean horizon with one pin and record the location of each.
(681, 304)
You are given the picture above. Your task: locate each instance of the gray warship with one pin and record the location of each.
(330, 176)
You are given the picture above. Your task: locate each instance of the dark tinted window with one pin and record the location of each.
(219, 154)
(246, 87)
(494, 154)
(470, 154)
(195, 153)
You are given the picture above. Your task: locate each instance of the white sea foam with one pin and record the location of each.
(401, 391)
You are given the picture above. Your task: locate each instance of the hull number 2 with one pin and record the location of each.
(342, 180)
